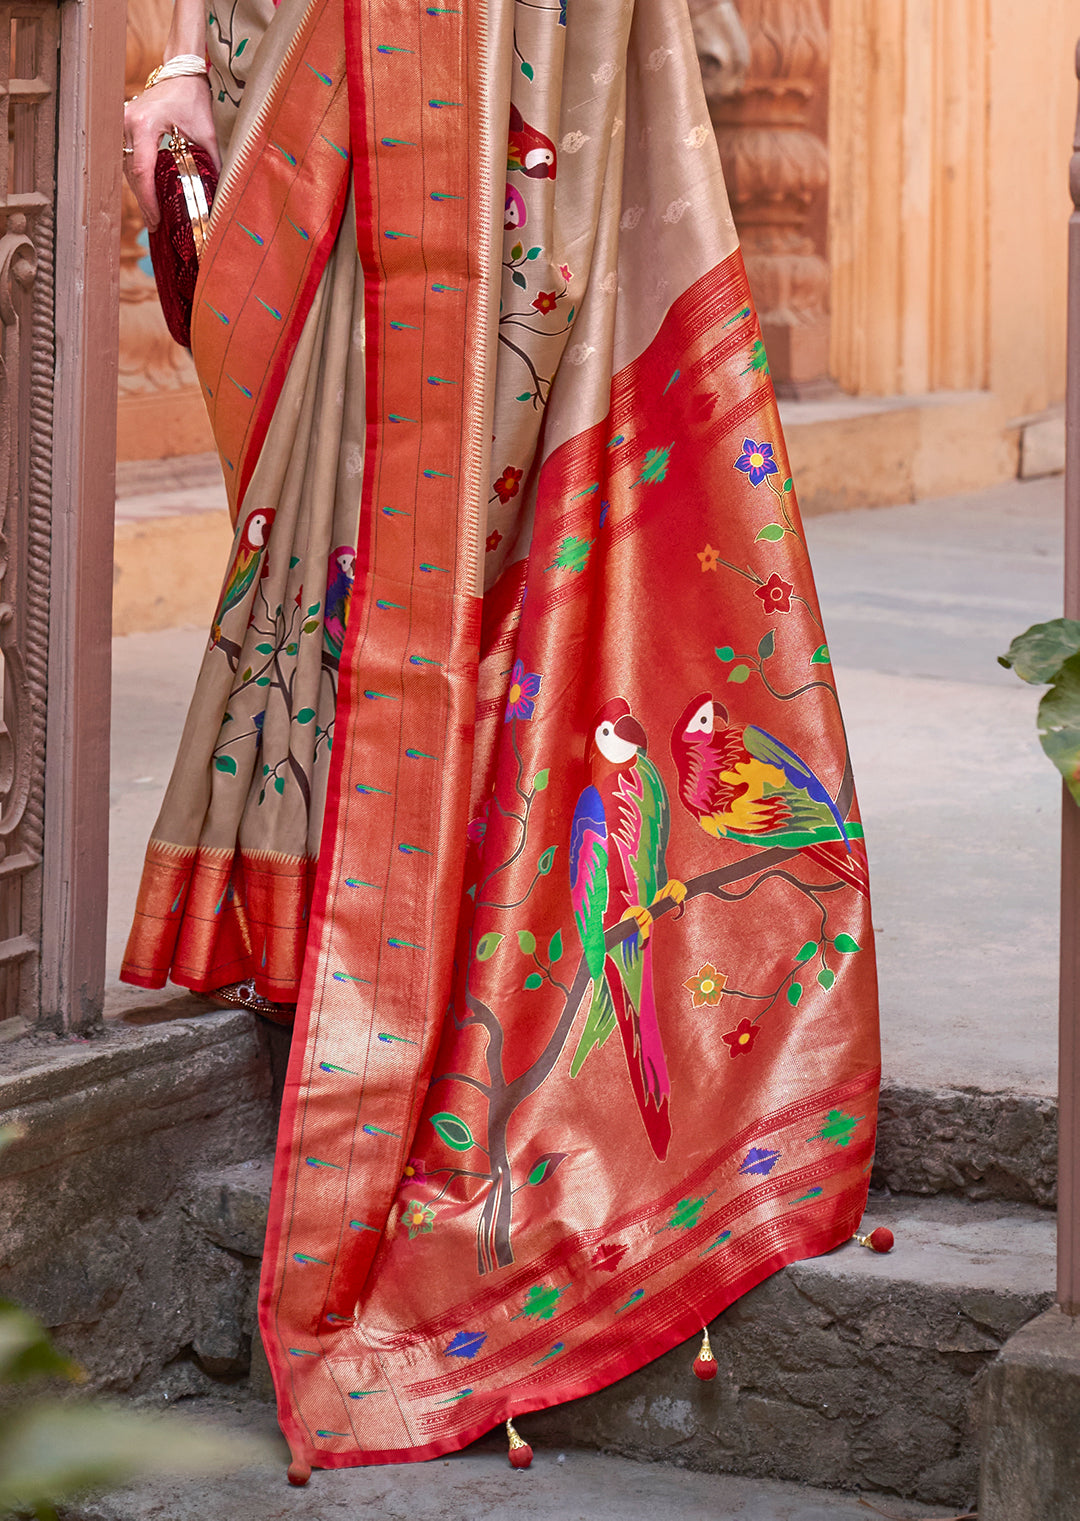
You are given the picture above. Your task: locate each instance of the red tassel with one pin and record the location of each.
(879, 1240)
(299, 1472)
(705, 1363)
(520, 1453)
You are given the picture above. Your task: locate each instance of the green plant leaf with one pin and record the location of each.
(525, 396)
(808, 950)
(517, 251)
(225, 763)
(25, 1349)
(241, 45)
(725, 652)
(555, 947)
(772, 533)
(247, 675)
(794, 993)
(526, 942)
(846, 944)
(787, 484)
(311, 625)
(453, 1131)
(534, 981)
(1059, 723)
(488, 945)
(739, 673)
(264, 649)
(305, 715)
(279, 785)
(527, 69)
(262, 681)
(766, 645)
(544, 1166)
(1038, 654)
(547, 860)
(540, 780)
(313, 609)
(534, 253)
(826, 978)
(821, 655)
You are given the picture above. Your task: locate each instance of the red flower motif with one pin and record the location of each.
(566, 272)
(775, 594)
(413, 1173)
(742, 1038)
(494, 539)
(545, 302)
(507, 485)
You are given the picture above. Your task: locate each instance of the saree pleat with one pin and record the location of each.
(586, 1038)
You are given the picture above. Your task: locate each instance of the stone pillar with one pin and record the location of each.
(777, 170)
(160, 410)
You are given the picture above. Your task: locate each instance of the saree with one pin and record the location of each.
(515, 761)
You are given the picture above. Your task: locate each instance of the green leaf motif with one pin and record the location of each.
(547, 860)
(312, 610)
(534, 253)
(687, 1213)
(655, 466)
(808, 950)
(517, 251)
(794, 993)
(540, 780)
(846, 944)
(527, 69)
(247, 675)
(1039, 653)
(544, 1166)
(826, 978)
(555, 947)
(488, 945)
(534, 981)
(541, 1302)
(838, 1127)
(311, 625)
(573, 554)
(305, 715)
(279, 785)
(725, 652)
(767, 645)
(262, 681)
(787, 484)
(241, 46)
(454, 1131)
(772, 533)
(264, 649)
(739, 673)
(291, 649)
(526, 942)
(225, 763)
(525, 396)
(519, 279)
(820, 655)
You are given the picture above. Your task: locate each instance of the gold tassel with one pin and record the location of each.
(520, 1453)
(705, 1363)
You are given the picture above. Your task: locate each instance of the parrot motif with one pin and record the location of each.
(339, 581)
(516, 214)
(529, 152)
(245, 564)
(740, 780)
(618, 843)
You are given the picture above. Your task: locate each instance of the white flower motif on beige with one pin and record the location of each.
(580, 352)
(573, 142)
(354, 461)
(675, 212)
(658, 57)
(631, 217)
(604, 74)
(697, 137)
(609, 283)
(617, 126)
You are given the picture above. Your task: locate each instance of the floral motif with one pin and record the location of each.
(708, 557)
(707, 987)
(508, 484)
(493, 540)
(756, 461)
(524, 686)
(775, 594)
(566, 272)
(414, 1172)
(419, 1218)
(545, 302)
(741, 1039)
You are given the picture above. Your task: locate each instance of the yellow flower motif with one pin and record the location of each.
(707, 987)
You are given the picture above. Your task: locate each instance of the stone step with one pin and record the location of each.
(852, 1368)
(560, 1486)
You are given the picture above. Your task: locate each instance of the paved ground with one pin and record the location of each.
(479, 1485)
(961, 808)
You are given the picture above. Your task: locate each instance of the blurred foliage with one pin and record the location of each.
(1049, 654)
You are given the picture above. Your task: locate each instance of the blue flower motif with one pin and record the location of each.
(756, 461)
(524, 686)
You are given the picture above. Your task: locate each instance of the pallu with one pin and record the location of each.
(515, 762)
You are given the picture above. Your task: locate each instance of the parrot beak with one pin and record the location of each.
(629, 729)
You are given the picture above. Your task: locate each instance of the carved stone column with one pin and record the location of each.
(777, 169)
(161, 411)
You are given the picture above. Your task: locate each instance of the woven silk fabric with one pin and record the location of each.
(586, 1039)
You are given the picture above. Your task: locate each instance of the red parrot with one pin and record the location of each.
(617, 871)
(739, 780)
(529, 151)
(245, 563)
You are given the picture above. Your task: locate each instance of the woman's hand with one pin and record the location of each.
(183, 103)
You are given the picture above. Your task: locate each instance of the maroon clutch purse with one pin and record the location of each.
(185, 180)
